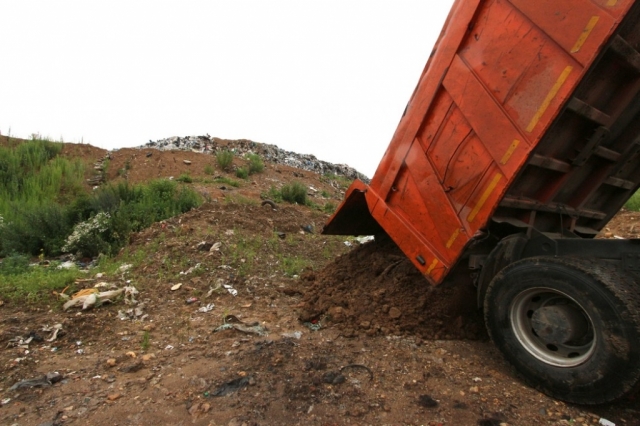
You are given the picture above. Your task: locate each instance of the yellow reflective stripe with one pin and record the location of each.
(432, 266)
(585, 34)
(485, 195)
(547, 101)
(509, 152)
(453, 237)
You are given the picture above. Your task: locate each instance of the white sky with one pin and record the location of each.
(329, 78)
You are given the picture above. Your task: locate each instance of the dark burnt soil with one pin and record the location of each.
(348, 333)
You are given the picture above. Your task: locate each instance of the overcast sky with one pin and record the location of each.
(329, 78)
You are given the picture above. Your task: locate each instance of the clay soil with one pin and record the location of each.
(323, 330)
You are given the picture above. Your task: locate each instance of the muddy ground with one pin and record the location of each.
(357, 337)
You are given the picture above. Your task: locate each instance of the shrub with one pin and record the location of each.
(184, 178)
(242, 173)
(224, 159)
(329, 207)
(294, 193)
(255, 164)
(89, 237)
(208, 169)
(14, 264)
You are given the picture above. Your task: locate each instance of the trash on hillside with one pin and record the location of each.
(191, 300)
(215, 247)
(293, 335)
(54, 331)
(230, 289)
(5, 401)
(67, 265)
(307, 228)
(427, 401)
(281, 235)
(176, 286)
(136, 313)
(187, 162)
(232, 322)
(89, 298)
(232, 386)
(124, 268)
(605, 422)
(365, 239)
(313, 326)
(190, 270)
(229, 232)
(348, 243)
(205, 309)
(204, 246)
(46, 380)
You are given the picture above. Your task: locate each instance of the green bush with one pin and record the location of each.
(294, 193)
(329, 207)
(14, 264)
(242, 173)
(224, 159)
(184, 178)
(255, 164)
(634, 202)
(208, 169)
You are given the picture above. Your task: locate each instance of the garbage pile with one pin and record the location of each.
(210, 145)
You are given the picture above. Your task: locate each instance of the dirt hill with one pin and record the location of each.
(247, 316)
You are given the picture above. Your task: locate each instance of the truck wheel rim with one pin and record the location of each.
(567, 341)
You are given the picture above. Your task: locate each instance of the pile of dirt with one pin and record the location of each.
(375, 290)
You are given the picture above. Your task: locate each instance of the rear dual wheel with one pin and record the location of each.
(570, 326)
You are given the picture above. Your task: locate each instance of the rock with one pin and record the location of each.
(187, 162)
(111, 362)
(395, 313)
(474, 389)
(148, 357)
(114, 396)
(337, 314)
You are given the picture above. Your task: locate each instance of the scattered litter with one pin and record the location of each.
(136, 313)
(605, 422)
(232, 386)
(191, 300)
(80, 351)
(365, 239)
(281, 235)
(427, 401)
(190, 270)
(89, 298)
(293, 335)
(187, 162)
(224, 267)
(46, 380)
(204, 246)
(176, 286)
(124, 268)
(215, 247)
(313, 326)
(348, 243)
(477, 379)
(5, 401)
(364, 367)
(131, 354)
(99, 275)
(168, 347)
(230, 289)
(55, 330)
(229, 232)
(232, 322)
(307, 228)
(205, 309)
(67, 265)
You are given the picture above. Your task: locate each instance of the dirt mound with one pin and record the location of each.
(374, 289)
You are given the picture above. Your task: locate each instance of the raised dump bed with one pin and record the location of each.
(520, 142)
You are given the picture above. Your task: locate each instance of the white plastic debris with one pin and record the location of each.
(215, 247)
(176, 286)
(348, 243)
(293, 335)
(365, 239)
(125, 267)
(230, 289)
(168, 347)
(208, 308)
(190, 270)
(605, 422)
(67, 265)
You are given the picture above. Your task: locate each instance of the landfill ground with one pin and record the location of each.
(358, 337)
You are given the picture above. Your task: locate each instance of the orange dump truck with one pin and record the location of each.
(520, 142)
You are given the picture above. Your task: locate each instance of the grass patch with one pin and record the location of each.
(36, 283)
(294, 193)
(227, 181)
(633, 203)
(185, 178)
(242, 173)
(293, 265)
(224, 159)
(256, 165)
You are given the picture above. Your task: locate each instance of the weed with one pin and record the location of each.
(184, 178)
(224, 159)
(273, 194)
(242, 173)
(208, 169)
(146, 338)
(325, 194)
(634, 202)
(329, 207)
(293, 265)
(227, 181)
(294, 193)
(255, 164)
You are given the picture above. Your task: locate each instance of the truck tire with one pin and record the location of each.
(570, 326)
